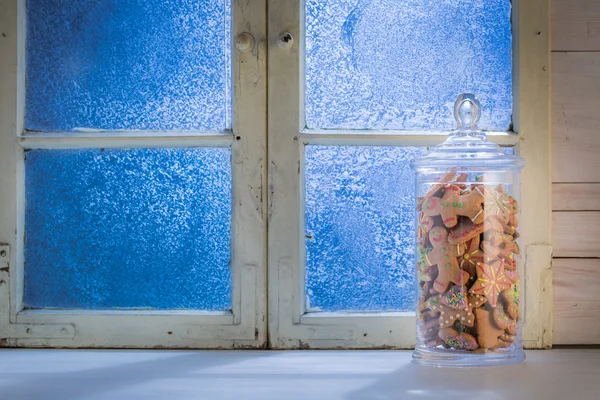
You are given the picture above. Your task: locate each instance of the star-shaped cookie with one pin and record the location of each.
(491, 280)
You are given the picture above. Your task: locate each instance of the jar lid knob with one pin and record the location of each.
(467, 111)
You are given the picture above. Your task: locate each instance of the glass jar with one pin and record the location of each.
(468, 257)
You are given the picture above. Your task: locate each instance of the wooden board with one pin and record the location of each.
(576, 234)
(576, 325)
(576, 117)
(576, 301)
(576, 196)
(575, 25)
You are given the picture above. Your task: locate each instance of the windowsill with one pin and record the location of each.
(286, 375)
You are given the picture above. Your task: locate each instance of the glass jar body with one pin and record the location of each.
(468, 266)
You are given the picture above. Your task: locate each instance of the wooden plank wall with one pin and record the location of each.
(576, 170)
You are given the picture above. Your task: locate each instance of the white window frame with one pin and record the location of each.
(244, 326)
(290, 326)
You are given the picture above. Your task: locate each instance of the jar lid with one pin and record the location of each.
(468, 146)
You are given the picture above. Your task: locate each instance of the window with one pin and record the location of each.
(160, 189)
(139, 175)
(365, 88)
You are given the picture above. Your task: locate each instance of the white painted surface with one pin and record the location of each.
(287, 375)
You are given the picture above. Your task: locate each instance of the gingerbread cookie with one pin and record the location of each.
(448, 309)
(491, 280)
(511, 298)
(513, 276)
(464, 232)
(501, 344)
(503, 321)
(494, 204)
(491, 223)
(444, 181)
(444, 256)
(431, 304)
(429, 323)
(472, 256)
(449, 316)
(500, 245)
(425, 271)
(453, 204)
(458, 298)
(487, 332)
(424, 226)
(458, 341)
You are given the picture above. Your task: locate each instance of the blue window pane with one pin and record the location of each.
(400, 64)
(508, 150)
(145, 228)
(128, 64)
(360, 213)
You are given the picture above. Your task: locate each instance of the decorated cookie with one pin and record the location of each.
(504, 321)
(453, 204)
(510, 263)
(491, 280)
(487, 332)
(513, 224)
(458, 341)
(424, 226)
(500, 245)
(425, 289)
(446, 315)
(512, 275)
(449, 316)
(456, 297)
(494, 204)
(501, 344)
(444, 255)
(472, 256)
(511, 298)
(427, 324)
(443, 182)
(432, 303)
(505, 341)
(510, 202)
(507, 338)
(476, 301)
(494, 224)
(425, 271)
(464, 231)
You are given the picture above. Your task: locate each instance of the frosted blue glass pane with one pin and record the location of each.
(508, 150)
(128, 64)
(360, 212)
(400, 64)
(144, 228)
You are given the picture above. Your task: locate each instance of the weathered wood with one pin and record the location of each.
(576, 196)
(576, 117)
(532, 121)
(576, 301)
(575, 25)
(576, 234)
